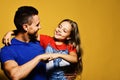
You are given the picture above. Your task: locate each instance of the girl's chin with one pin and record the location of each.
(57, 37)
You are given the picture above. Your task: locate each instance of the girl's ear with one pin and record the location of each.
(25, 27)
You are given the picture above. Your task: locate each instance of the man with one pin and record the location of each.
(22, 59)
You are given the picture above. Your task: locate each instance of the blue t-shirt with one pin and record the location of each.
(23, 52)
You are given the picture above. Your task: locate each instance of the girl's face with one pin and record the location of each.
(63, 31)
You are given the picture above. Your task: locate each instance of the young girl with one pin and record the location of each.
(64, 48)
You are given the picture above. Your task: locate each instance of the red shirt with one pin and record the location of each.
(45, 40)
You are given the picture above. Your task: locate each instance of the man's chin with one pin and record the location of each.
(33, 38)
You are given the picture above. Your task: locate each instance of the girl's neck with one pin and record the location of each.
(58, 42)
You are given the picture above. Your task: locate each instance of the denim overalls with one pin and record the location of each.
(55, 68)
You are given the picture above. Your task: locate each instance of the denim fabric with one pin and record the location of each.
(57, 75)
(55, 68)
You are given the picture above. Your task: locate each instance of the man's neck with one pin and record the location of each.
(22, 37)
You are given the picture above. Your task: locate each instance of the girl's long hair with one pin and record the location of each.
(76, 42)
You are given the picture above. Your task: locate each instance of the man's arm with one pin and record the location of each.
(16, 72)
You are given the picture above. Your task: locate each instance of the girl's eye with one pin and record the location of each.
(64, 30)
(59, 26)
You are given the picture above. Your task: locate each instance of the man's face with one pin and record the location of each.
(34, 27)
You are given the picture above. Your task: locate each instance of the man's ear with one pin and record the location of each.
(25, 27)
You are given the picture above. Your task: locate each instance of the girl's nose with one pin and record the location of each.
(59, 30)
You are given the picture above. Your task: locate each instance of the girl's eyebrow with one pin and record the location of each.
(64, 28)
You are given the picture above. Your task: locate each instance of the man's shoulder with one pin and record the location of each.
(5, 47)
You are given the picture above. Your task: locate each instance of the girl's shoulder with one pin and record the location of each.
(45, 37)
(71, 48)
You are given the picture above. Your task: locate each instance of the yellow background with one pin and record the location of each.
(99, 25)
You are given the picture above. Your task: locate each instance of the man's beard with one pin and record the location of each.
(33, 37)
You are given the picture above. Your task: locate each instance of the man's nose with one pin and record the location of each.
(39, 27)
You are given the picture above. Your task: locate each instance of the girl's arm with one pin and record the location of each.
(71, 57)
(7, 37)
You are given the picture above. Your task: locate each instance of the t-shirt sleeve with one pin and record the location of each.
(44, 40)
(71, 48)
(6, 54)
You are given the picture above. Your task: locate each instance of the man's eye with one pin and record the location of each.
(37, 24)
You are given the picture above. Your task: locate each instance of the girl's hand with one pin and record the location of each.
(54, 56)
(7, 38)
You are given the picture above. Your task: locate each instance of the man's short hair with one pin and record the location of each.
(23, 15)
